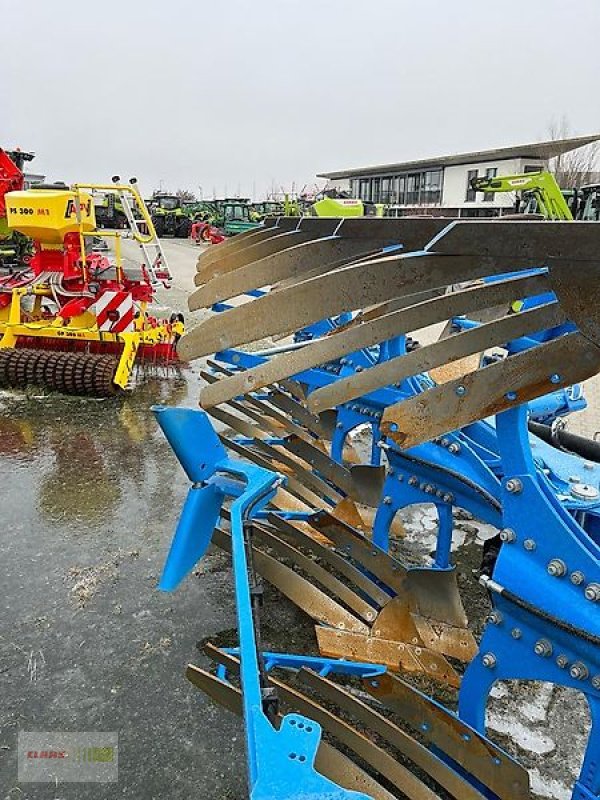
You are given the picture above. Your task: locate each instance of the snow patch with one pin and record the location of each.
(525, 738)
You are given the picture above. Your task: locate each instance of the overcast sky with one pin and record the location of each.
(240, 95)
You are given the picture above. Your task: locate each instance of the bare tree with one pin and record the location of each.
(185, 196)
(577, 167)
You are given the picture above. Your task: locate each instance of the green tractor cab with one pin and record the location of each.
(109, 211)
(168, 215)
(588, 205)
(268, 208)
(231, 215)
(236, 217)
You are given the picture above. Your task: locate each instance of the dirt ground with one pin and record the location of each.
(90, 494)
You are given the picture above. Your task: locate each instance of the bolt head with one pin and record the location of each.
(529, 544)
(413, 480)
(557, 568)
(579, 671)
(488, 660)
(516, 633)
(387, 500)
(494, 617)
(577, 578)
(592, 592)
(555, 378)
(596, 681)
(448, 498)
(460, 391)
(508, 535)
(454, 448)
(543, 648)
(562, 661)
(514, 486)
(583, 491)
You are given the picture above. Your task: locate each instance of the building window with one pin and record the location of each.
(376, 190)
(402, 189)
(431, 189)
(417, 188)
(386, 190)
(413, 188)
(533, 168)
(488, 197)
(471, 195)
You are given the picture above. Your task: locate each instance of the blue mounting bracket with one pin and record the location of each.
(279, 761)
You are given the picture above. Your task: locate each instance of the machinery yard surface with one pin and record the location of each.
(91, 493)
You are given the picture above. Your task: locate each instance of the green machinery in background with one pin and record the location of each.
(233, 215)
(268, 208)
(536, 192)
(329, 204)
(230, 215)
(339, 206)
(169, 215)
(585, 202)
(109, 211)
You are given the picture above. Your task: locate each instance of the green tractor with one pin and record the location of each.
(169, 216)
(586, 203)
(231, 215)
(268, 208)
(109, 211)
(235, 214)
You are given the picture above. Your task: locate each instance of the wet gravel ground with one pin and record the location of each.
(90, 495)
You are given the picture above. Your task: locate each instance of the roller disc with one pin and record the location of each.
(31, 365)
(17, 369)
(103, 376)
(68, 373)
(6, 357)
(83, 369)
(20, 370)
(52, 367)
(39, 367)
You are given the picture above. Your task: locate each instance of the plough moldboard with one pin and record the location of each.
(282, 488)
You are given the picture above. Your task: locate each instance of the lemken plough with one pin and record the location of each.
(71, 318)
(511, 312)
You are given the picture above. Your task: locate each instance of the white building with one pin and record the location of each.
(442, 186)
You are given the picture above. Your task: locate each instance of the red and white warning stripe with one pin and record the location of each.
(114, 312)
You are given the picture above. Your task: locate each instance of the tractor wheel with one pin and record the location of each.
(184, 228)
(159, 225)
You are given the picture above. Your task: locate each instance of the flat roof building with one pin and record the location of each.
(443, 185)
